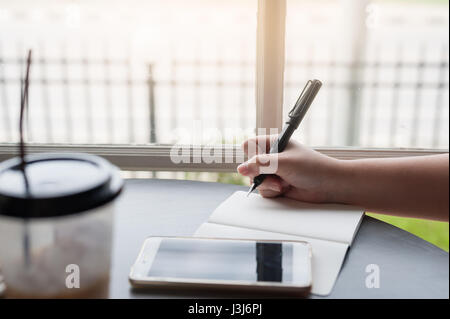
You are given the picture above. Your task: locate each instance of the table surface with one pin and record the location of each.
(409, 266)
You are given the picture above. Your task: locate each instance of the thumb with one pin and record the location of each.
(259, 144)
(259, 164)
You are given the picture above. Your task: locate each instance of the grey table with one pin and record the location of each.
(409, 266)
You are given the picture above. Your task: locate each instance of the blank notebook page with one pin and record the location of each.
(333, 222)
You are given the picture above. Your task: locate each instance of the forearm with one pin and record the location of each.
(410, 187)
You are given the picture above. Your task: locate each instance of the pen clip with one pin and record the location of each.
(299, 99)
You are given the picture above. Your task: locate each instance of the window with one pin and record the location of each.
(127, 79)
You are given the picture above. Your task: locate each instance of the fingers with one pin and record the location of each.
(271, 183)
(258, 144)
(260, 164)
(272, 186)
(269, 193)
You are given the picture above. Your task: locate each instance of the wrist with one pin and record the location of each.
(341, 181)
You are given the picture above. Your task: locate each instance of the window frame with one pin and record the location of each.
(158, 157)
(270, 55)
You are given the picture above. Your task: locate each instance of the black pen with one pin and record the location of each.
(296, 116)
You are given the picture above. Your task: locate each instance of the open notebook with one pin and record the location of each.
(329, 228)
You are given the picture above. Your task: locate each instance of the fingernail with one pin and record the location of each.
(243, 168)
(275, 187)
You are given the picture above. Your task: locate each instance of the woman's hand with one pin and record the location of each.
(410, 187)
(299, 172)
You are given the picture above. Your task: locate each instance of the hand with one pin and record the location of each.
(301, 173)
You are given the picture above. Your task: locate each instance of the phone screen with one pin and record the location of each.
(238, 260)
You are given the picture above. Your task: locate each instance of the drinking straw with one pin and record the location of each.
(24, 102)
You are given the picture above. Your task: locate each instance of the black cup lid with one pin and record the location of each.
(56, 185)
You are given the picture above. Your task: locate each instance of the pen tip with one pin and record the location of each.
(251, 189)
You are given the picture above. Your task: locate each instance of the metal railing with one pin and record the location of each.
(93, 91)
(435, 104)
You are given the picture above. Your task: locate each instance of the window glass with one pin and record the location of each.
(135, 71)
(384, 68)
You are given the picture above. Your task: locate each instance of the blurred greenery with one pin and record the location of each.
(431, 231)
(226, 178)
(434, 232)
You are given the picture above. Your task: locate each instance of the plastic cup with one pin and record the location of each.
(56, 219)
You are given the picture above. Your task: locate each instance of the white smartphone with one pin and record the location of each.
(213, 263)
